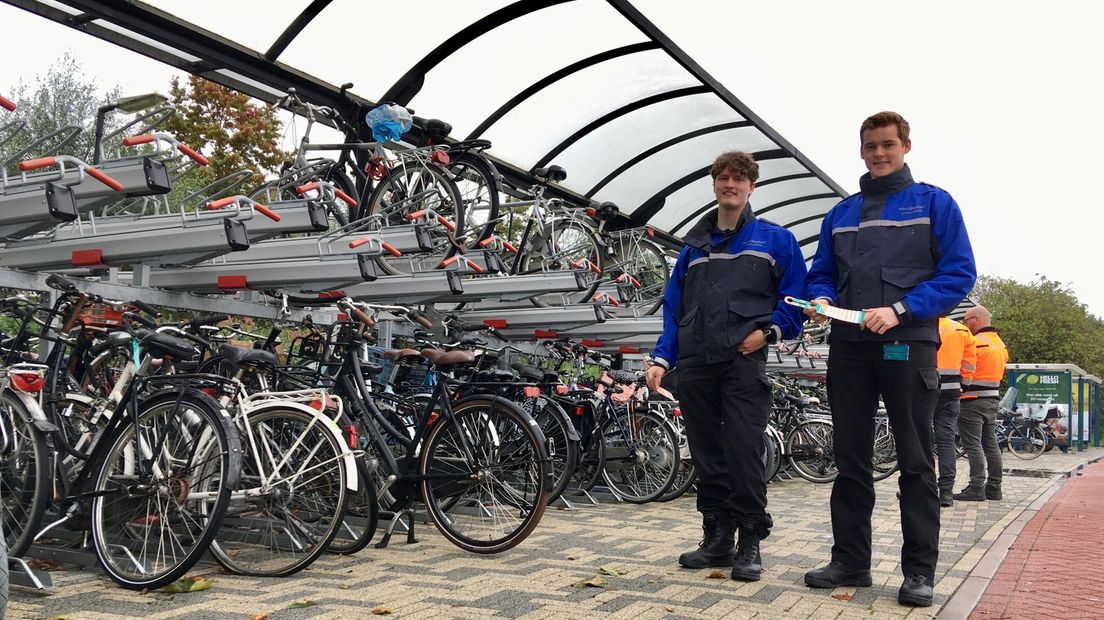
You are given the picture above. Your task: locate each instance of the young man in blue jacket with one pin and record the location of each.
(721, 308)
(898, 250)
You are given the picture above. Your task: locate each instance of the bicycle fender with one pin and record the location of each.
(352, 480)
(35, 415)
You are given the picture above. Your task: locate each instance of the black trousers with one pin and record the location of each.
(725, 408)
(857, 375)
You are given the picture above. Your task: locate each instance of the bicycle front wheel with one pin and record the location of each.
(25, 476)
(487, 475)
(291, 499)
(411, 188)
(559, 246)
(160, 492)
(643, 271)
(809, 448)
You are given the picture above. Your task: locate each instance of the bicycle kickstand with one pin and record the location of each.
(395, 520)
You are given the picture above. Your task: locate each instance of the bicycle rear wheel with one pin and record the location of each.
(563, 453)
(592, 461)
(25, 476)
(162, 488)
(491, 498)
(643, 467)
(885, 450)
(646, 272)
(479, 191)
(1026, 441)
(291, 499)
(809, 447)
(772, 453)
(361, 516)
(558, 246)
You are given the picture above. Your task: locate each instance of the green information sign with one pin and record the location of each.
(1045, 395)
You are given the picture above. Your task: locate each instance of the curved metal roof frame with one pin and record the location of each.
(163, 36)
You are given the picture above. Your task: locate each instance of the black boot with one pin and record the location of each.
(836, 574)
(916, 590)
(946, 498)
(993, 492)
(971, 494)
(717, 546)
(748, 565)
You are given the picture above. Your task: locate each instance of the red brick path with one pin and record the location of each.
(1055, 569)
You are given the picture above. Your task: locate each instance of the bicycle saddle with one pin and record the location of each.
(527, 372)
(159, 345)
(622, 377)
(607, 211)
(401, 354)
(437, 130)
(237, 356)
(550, 173)
(448, 358)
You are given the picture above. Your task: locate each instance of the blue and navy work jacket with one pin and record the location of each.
(724, 286)
(898, 244)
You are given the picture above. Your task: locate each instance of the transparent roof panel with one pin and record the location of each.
(533, 129)
(255, 24)
(774, 168)
(639, 183)
(376, 48)
(469, 85)
(800, 210)
(144, 39)
(682, 203)
(767, 195)
(602, 151)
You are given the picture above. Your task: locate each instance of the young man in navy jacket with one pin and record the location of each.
(898, 250)
(722, 307)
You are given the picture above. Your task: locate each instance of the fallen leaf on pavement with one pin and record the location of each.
(303, 603)
(612, 571)
(842, 597)
(382, 611)
(263, 616)
(594, 582)
(188, 584)
(716, 575)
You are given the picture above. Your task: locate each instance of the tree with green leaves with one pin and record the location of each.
(1043, 322)
(64, 97)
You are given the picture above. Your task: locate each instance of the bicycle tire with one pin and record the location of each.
(884, 459)
(1027, 446)
(563, 453)
(646, 263)
(642, 472)
(361, 519)
(809, 449)
(4, 578)
(572, 241)
(685, 479)
(25, 476)
(391, 200)
(592, 461)
(509, 496)
(261, 536)
(772, 455)
(479, 189)
(204, 436)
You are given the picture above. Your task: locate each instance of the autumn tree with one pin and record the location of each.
(227, 126)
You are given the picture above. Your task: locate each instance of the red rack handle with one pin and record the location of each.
(306, 187)
(390, 249)
(445, 263)
(102, 177)
(415, 215)
(347, 199)
(220, 203)
(35, 164)
(356, 243)
(265, 211)
(194, 154)
(7, 104)
(604, 298)
(136, 140)
(447, 224)
(476, 268)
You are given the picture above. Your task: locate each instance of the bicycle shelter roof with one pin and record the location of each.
(589, 85)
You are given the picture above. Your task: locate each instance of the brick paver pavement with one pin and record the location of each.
(434, 579)
(1054, 569)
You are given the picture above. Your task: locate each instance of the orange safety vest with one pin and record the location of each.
(992, 355)
(956, 357)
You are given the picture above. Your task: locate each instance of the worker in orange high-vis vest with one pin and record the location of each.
(977, 420)
(955, 359)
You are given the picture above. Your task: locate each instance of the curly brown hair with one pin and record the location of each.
(737, 162)
(885, 119)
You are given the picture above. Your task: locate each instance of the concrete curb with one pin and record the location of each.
(966, 597)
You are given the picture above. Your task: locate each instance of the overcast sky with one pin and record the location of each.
(1003, 99)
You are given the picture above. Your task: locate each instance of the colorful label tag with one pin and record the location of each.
(895, 352)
